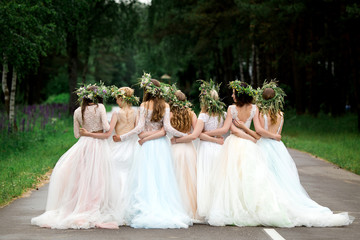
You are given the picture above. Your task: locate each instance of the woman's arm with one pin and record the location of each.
(241, 134)
(260, 130)
(198, 129)
(148, 133)
(157, 134)
(225, 128)
(218, 140)
(167, 125)
(104, 119)
(241, 125)
(193, 119)
(76, 126)
(84, 132)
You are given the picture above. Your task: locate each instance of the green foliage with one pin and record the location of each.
(60, 98)
(333, 139)
(309, 46)
(25, 32)
(27, 156)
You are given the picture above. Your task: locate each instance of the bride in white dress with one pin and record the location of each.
(243, 188)
(81, 192)
(183, 119)
(210, 118)
(153, 195)
(268, 123)
(123, 121)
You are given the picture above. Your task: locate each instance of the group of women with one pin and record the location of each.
(141, 178)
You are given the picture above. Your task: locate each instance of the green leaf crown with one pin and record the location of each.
(92, 94)
(274, 104)
(115, 92)
(170, 97)
(148, 86)
(214, 106)
(248, 90)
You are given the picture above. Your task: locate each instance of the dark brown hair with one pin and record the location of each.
(242, 98)
(158, 103)
(268, 93)
(86, 101)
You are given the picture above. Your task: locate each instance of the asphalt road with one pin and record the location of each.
(327, 184)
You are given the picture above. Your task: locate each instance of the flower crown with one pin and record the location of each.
(170, 97)
(116, 92)
(213, 105)
(274, 104)
(145, 82)
(248, 90)
(92, 94)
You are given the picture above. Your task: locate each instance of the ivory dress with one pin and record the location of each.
(207, 157)
(122, 154)
(244, 193)
(185, 170)
(154, 200)
(302, 209)
(81, 191)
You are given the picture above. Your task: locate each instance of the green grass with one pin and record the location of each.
(334, 139)
(27, 156)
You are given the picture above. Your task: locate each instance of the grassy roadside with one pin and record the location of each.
(334, 139)
(26, 157)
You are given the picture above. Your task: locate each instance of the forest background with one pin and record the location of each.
(50, 47)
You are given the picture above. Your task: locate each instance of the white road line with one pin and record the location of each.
(273, 234)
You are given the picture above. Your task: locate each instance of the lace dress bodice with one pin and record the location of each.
(95, 119)
(234, 114)
(211, 123)
(266, 127)
(146, 125)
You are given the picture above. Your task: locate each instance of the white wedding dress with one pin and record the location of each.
(244, 194)
(81, 192)
(303, 211)
(207, 158)
(153, 197)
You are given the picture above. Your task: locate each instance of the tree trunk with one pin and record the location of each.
(12, 101)
(253, 70)
(72, 51)
(5, 87)
(242, 78)
(257, 61)
(86, 64)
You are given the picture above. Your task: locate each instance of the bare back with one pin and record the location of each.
(245, 113)
(274, 128)
(126, 120)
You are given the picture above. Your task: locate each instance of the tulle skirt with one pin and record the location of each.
(243, 191)
(153, 194)
(185, 171)
(81, 191)
(302, 209)
(207, 157)
(122, 157)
